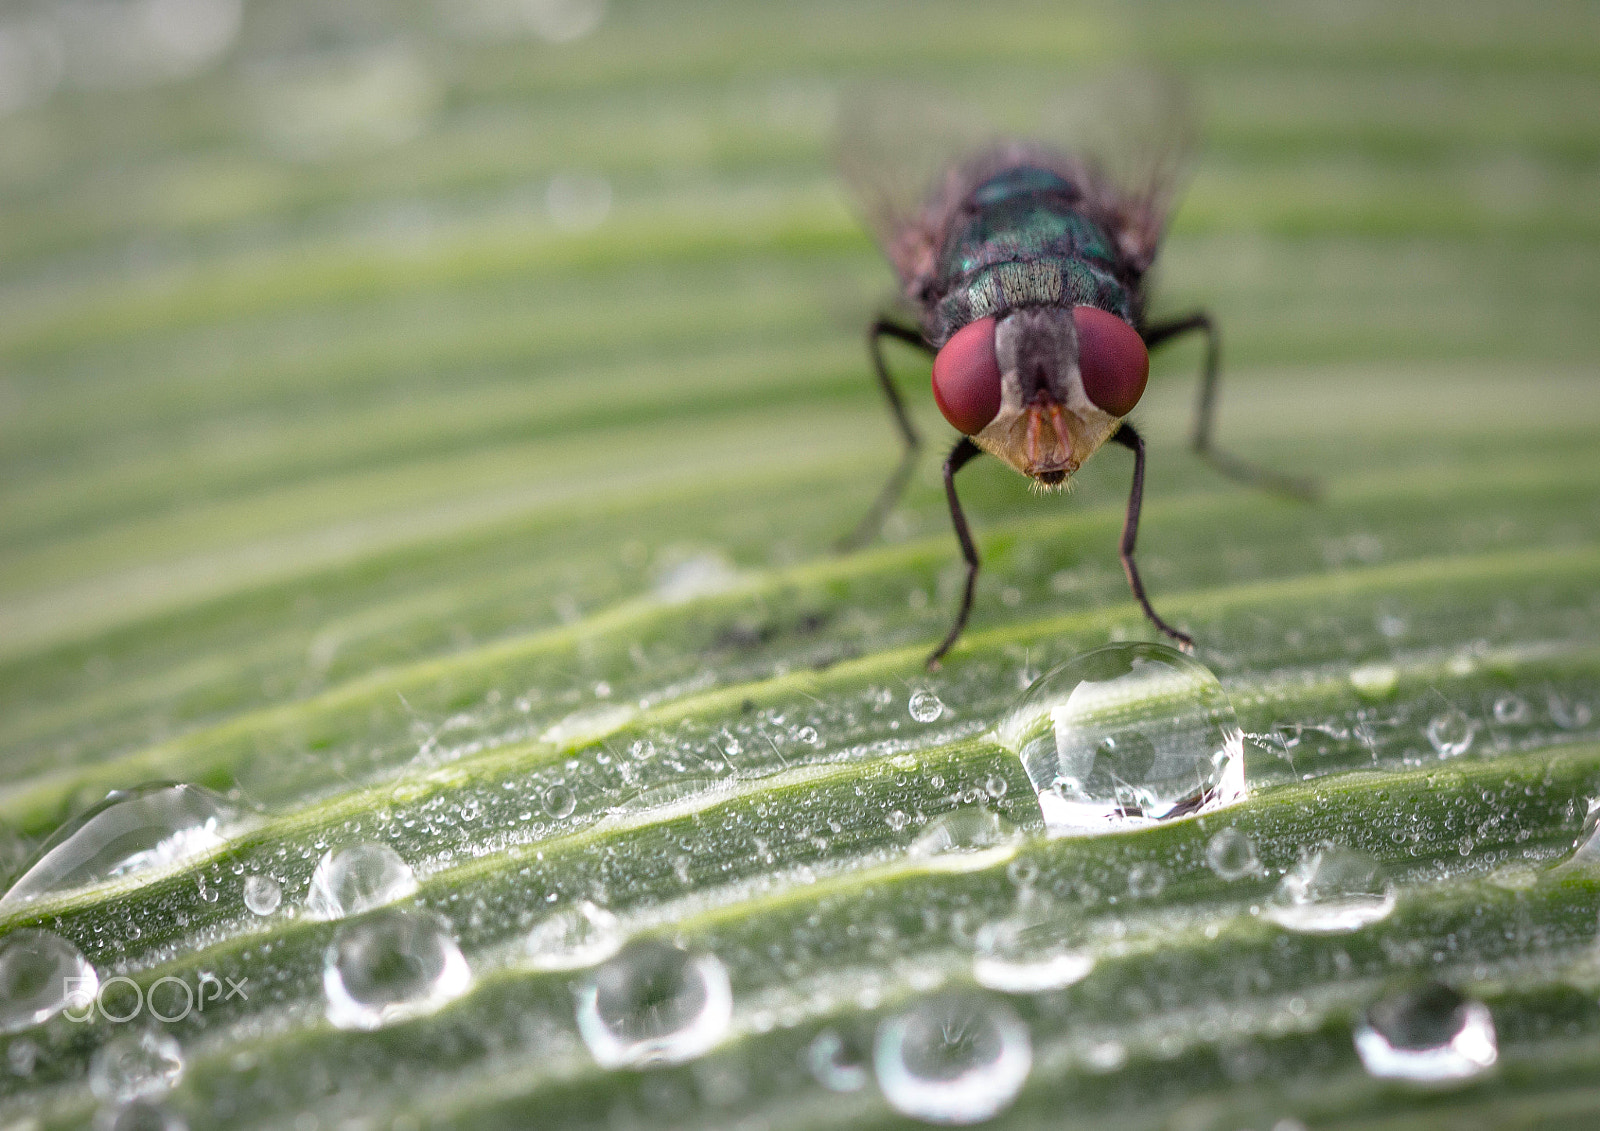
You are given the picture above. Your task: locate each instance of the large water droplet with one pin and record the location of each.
(357, 878)
(262, 894)
(391, 965)
(925, 706)
(1332, 889)
(970, 829)
(654, 1003)
(1126, 735)
(836, 1062)
(135, 1066)
(574, 938)
(40, 975)
(146, 829)
(1451, 733)
(953, 1058)
(1232, 855)
(1029, 954)
(1431, 1033)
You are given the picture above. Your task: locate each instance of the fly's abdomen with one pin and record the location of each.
(1021, 241)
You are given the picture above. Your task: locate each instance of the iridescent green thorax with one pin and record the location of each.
(1022, 241)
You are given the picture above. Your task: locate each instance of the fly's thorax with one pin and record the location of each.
(1047, 426)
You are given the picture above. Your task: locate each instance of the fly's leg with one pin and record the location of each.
(867, 529)
(1130, 439)
(964, 450)
(1206, 408)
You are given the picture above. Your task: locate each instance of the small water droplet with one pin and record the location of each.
(1232, 855)
(838, 1064)
(896, 819)
(925, 706)
(808, 735)
(1427, 1034)
(1509, 710)
(559, 801)
(573, 938)
(1029, 955)
(963, 830)
(1567, 713)
(1145, 881)
(654, 1003)
(357, 878)
(1332, 889)
(1126, 735)
(1451, 733)
(995, 786)
(40, 975)
(135, 1067)
(262, 894)
(391, 965)
(147, 829)
(953, 1058)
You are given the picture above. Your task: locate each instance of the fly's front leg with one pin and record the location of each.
(1129, 438)
(1206, 408)
(867, 529)
(964, 450)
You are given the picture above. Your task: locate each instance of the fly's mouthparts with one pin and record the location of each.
(1049, 448)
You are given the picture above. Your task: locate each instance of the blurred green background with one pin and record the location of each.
(386, 379)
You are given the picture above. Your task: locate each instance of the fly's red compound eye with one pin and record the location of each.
(966, 377)
(1112, 359)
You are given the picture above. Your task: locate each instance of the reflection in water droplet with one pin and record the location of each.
(1427, 1034)
(971, 829)
(391, 965)
(837, 1063)
(574, 938)
(132, 831)
(1029, 955)
(559, 801)
(140, 1115)
(1332, 889)
(925, 706)
(1232, 855)
(1126, 735)
(135, 1066)
(1510, 710)
(358, 878)
(262, 894)
(40, 975)
(654, 1003)
(1451, 733)
(953, 1058)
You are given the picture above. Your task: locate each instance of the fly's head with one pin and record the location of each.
(1042, 387)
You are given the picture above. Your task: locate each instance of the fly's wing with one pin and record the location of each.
(900, 148)
(910, 156)
(1135, 133)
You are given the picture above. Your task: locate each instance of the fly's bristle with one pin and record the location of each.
(1040, 487)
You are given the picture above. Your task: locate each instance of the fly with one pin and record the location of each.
(1025, 266)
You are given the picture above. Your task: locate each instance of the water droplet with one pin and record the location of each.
(1375, 681)
(40, 975)
(147, 829)
(135, 1067)
(953, 1058)
(963, 830)
(838, 1064)
(925, 706)
(1429, 1034)
(1332, 889)
(573, 938)
(140, 1115)
(1145, 881)
(995, 786)
(808, 735)
(896, 819)
(391, 965)
(1126, 735)
(262, 894)
(654, 1003)
(1232, 855)
(1029, 955)
(357, 878)
(1510, 710)
(559, 801)
(1566, 713)
(1451, 733)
